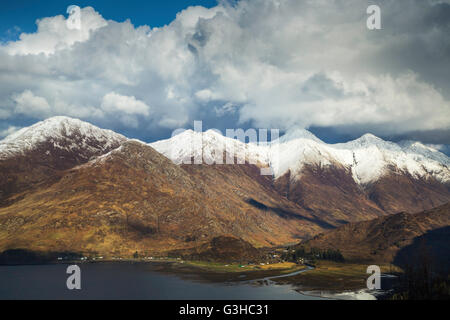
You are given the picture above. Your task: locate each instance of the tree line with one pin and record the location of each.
(313, 254)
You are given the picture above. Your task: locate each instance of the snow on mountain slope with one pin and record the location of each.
(209, 147)
(373, 157)
(421, 150)
(368, 158)
(64, 134)
(297, 134)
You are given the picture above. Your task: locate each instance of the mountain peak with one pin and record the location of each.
(37, 153)
(53, 127)
(369, 140)
(370, 136)
(298, 133)
(62, 133)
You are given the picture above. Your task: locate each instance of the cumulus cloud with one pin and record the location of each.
(28, 103)
(113, 102)
(127, 107)
(53, 34)
(6, 132)
(285, 63)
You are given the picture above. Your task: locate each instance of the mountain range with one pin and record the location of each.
(67, 185)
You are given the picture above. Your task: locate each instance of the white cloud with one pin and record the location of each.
(113, 102)
(125, 108)
(205, 95)
(286, 62)
(53, 34)
(394, 104)
(6, 132)
(30, 104)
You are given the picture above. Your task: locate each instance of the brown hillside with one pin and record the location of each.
(331, 193)
(135, 199)
(399, 192)
(46, 162)
(381, 239)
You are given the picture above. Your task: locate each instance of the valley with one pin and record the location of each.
(70, 189)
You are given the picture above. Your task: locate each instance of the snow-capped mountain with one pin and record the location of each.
(40, 153)
(305, 169)
(368, 158)
(209, 147)
(352, 181)
(64, 172)
(61, 133)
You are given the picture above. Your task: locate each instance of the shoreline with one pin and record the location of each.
(188, 270)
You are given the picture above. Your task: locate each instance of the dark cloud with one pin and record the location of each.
(429, 137)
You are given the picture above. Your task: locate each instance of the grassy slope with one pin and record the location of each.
(334, 277)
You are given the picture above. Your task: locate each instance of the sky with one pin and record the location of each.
(20, 15)
(146, 68)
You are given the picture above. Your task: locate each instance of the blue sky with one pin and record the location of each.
(155, 13)
(283, 64)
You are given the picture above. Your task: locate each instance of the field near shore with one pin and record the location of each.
(334, 277)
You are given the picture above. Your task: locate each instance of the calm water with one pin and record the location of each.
(128, 281)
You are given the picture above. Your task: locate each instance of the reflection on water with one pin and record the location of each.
(129, 281)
